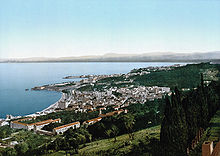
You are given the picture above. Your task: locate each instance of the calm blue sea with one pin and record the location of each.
(16, 77)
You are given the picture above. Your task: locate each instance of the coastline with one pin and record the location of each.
(59, 87)
(50, 109)
(79, 84)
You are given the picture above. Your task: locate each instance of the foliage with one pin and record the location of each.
(148, 114)
(69, 116)
(111, 79)
(6, 131)
(182, 77)
(68, 142)
(191, 112)
(123, 145)
(212, 133)
(85, 88)
(9, 152)
(128, 123)
(21, 148)
(173, 125)
(51, 126)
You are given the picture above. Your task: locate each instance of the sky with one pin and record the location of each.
(61, 28)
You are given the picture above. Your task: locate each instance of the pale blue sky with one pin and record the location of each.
(54, 28)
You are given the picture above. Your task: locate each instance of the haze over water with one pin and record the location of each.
(16, 77)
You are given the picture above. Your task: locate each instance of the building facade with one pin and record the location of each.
(64, 128)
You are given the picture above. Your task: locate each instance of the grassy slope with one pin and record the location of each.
(212, 133)
(122, 145)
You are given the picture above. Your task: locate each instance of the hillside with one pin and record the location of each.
(122, 146)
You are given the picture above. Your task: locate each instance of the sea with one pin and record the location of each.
(16, 77)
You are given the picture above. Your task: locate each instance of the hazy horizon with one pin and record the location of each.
(114, 54)
(54, 28)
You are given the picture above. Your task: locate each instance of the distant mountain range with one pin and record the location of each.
(112, 57)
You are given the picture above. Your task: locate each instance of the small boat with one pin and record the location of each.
(26, 89)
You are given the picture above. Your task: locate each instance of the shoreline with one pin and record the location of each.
(58, 87)
(50, 109)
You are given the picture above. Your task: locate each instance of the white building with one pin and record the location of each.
(64, 128)
(17, 124)
(40, 125)
(3, 123)
(13, 143)
(62, 105)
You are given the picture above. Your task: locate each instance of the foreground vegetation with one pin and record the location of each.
(27, 142)
(212, 133)
(143, 143)
(192, 112)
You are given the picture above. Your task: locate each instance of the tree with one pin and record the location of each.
(108, 133)
(115, 131)
(73, 138)
(51, 126)
(21, 148)
(10, 152)
(5, 131)
(186, 114)
(174, 128)
(65, 145)
(128, 121)
(56, 144)
(85, 133)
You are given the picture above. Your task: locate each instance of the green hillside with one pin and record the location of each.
(122, 146)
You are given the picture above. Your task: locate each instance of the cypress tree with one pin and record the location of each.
(185, 115)
(204, 104)
(174, 128)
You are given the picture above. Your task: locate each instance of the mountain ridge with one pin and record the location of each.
(115, 57)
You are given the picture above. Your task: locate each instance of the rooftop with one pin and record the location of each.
(95, 119)
(68, 125)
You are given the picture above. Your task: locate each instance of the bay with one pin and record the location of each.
(16, 77)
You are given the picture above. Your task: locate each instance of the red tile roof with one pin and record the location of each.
(95, 119)
(68, 125)
(42, 122)
(36, 123)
